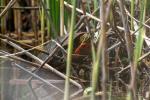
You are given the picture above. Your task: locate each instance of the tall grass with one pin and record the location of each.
(95, 4)
(140, 37)
(54, 12)
(138, 49)
(3, 23)
(69, 55)
(42, 25)
(61, 17)
(132, 13)
(100, 61)
(48, 22)
(67, 17)
(51, 13)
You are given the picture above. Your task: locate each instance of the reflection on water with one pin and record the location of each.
(5, 76)
(14, 84)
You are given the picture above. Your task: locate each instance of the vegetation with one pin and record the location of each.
(104, 45)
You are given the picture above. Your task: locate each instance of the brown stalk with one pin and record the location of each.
(102, 45)
(129, 46)
(17, 21)
(34, 22)
(3, 20)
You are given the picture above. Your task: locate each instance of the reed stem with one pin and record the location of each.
(42, 25)
(69, 55)
(61, 17)
(132, 13)
(48, 22)
(101, 56)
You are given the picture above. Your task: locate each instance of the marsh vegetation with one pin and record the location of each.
(96, 49)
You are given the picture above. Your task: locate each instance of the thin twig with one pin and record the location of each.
(22, 44)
